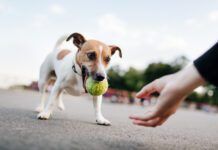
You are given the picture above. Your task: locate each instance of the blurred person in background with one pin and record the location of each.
(174, 88)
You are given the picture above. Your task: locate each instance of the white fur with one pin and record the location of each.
(66, 80)
(101, 68)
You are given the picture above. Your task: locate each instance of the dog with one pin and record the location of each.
(67, 70)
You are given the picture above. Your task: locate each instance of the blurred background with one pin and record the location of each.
(156, 37)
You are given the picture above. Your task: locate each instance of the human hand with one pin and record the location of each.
(172, 89)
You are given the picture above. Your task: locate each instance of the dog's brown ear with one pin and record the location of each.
(115, 48)
(78, 39)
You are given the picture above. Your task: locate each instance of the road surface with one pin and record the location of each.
(75, 128)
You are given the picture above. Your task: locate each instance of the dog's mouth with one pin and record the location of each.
(85, 75)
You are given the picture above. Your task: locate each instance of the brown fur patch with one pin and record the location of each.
(51, 81)
(62, 54)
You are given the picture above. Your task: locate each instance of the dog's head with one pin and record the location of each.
(93, 56)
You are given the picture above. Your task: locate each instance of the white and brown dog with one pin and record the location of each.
(68, 69)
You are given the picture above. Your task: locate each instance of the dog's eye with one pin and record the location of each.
(107, 59)
(91, 55)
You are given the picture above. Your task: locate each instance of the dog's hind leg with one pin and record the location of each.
(43, 86)
(45, 77)
(60, 101)
(52, 102)
(40, 107)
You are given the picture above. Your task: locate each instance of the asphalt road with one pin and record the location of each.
(75, 128)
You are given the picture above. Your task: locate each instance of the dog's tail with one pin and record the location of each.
(61, 40)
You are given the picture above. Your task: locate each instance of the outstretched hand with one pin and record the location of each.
(173, 89)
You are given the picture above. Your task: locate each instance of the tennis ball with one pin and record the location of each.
(96, 88)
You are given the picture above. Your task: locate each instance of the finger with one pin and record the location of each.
(151, 123)
(147, 117)
(161, 121)
(146, 90)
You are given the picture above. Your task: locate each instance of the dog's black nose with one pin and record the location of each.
(99, 77)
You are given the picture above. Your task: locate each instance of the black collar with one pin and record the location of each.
(83, 77)
(74, 70)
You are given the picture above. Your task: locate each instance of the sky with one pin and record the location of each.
(146, 31)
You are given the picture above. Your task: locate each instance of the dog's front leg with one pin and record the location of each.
(52, 103)
(97, 100)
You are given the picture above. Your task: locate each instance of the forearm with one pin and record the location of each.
(188, 79)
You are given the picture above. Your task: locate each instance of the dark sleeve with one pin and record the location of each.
(207, 65)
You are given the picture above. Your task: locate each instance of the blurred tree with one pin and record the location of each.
(133, 79)
(212, 94)
(198, 98)
(214, 98)
(115, 78)
(157, 70)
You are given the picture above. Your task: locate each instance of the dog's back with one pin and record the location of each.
(47, 68)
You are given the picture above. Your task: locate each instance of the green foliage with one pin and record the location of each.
(198, 98)
(133, 79)
(115, 78)
(214, 98)
(157, 70)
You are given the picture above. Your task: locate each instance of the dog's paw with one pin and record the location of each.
(61, 106)
(39, 109)
(103, 121)
(43, 115)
